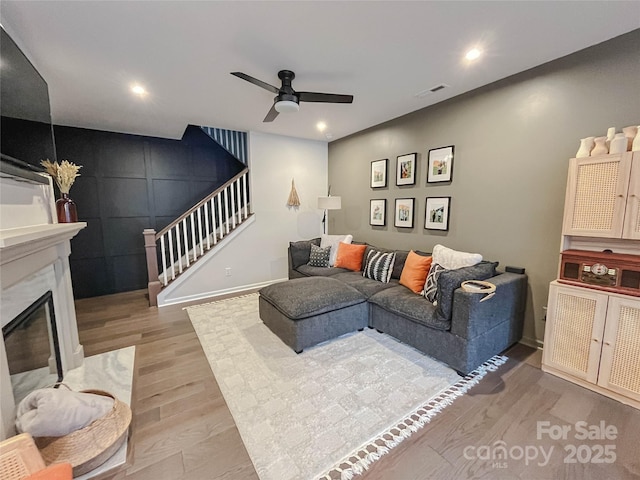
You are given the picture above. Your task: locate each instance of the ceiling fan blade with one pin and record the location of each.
(255, 81)
(324, 97)
(271, 116)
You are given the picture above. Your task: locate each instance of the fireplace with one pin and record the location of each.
(32, 347)
(34, 263)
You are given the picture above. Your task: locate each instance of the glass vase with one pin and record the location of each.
(66, 209)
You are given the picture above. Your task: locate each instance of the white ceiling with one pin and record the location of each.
(383, 53)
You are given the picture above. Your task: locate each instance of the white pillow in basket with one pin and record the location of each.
(333, 241)
(452, 259)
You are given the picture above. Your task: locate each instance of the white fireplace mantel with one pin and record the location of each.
(25, 250)
(34, 259)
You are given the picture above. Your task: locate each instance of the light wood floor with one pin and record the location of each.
(183, 430)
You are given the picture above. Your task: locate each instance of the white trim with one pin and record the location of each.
(362, 458)
(532, 342)
(217, 293)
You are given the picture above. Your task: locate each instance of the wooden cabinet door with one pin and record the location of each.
(596, 195)
(632, 213)
(574, 330)
(620, 363)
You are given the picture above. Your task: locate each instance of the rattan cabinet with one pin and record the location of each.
(603, 197)
(592, 338)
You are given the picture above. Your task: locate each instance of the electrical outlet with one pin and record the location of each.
(227, 272)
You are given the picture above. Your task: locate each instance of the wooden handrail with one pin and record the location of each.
(200, 203)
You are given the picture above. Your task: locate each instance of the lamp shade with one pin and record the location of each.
(330, 203)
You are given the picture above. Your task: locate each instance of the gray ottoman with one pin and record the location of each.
(307, 311)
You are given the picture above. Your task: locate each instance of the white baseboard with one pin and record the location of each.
(218, 293)
(531, 342)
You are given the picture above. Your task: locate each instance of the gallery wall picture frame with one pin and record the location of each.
(437, 213)
(440, 164)
(406, 169)
(404, 212)
(379, 173)
(378, 212)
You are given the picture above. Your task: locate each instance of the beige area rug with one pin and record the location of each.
(331, 411)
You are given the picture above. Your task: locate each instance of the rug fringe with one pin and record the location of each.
(362, 458)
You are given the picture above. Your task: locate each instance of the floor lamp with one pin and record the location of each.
(328, 203)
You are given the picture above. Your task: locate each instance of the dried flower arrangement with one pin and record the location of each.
(63, 173)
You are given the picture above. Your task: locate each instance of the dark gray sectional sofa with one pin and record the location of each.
(460, 331)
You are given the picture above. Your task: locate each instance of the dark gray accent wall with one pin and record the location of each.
(513, 140)
(128, 183)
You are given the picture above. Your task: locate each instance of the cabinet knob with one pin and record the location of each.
(607, 343)
(595, 340)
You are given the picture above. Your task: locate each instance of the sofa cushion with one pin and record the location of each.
(319, 256)
(414, 273)
(310, 271)
(403, 302)
(333, 241)
(301, 250)
(305, 297)
(350, 256)
(364, 285)
(451, 259)
(398, 264)
(379, 265)
(450, 280)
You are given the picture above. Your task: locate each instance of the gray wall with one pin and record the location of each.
(513, 140)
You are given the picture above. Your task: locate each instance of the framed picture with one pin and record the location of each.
(437, 213)
(378, 212)
(440, 166)
(379, 173)
(404, 212)
(406, 169)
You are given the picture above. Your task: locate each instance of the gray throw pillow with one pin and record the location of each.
(379, 265)
(319, 257)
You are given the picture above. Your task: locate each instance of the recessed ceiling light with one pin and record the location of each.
(138, 90)
(321, 126)
(473, 54)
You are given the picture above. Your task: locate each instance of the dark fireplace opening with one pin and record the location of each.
(27, 342)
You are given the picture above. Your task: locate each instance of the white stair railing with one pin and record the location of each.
(195, 232)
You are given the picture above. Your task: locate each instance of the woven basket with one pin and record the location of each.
(91, 446)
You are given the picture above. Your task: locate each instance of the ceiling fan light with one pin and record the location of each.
(286, 106)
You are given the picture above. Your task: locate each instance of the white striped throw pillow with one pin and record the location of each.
(379, 266)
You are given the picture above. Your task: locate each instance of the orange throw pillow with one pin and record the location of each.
(415, 271)
(56, 471)
(350, 256)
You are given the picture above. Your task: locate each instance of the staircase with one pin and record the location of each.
(201, 229)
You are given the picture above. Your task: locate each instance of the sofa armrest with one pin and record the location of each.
(471, 318)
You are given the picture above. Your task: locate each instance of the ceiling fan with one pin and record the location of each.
(287, 99)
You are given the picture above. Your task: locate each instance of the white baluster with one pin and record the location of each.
(213, 221)
(220, 215)
(244, 188)
(173, 271)
(164, 261)
(233, 205)
(226, 208)
(206, 225)
(179, 247)
(186, 241)
(193, 238)
(200, 239)
(238, 203)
